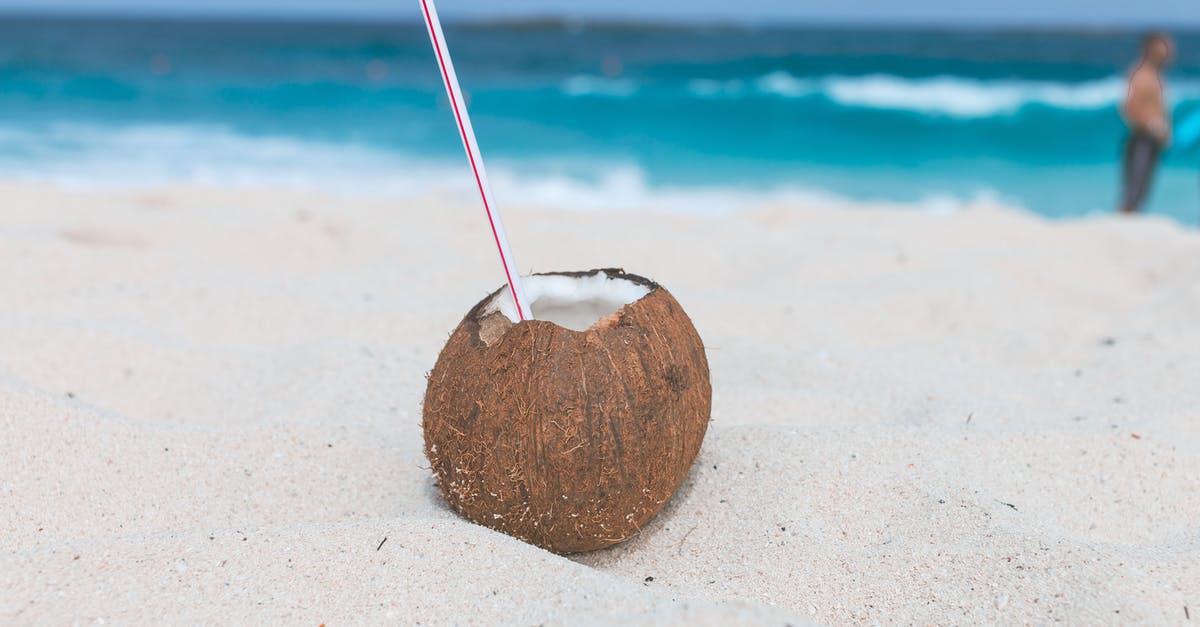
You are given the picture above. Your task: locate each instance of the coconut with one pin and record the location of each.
(569, 431)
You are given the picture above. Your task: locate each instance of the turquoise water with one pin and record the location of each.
(589, 115)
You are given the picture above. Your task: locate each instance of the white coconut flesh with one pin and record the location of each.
(573, 302)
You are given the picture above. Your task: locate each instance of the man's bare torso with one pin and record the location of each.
(1145, 106)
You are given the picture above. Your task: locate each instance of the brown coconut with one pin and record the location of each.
(569, 440)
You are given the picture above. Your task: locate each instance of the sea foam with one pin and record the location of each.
(952, 96)
(94, 156)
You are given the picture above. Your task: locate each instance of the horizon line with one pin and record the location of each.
(550, 20)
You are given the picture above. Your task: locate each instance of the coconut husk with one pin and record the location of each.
(569, 440)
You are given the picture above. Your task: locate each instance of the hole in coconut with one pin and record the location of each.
(574, 302)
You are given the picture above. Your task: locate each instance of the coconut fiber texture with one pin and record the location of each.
(569, 440)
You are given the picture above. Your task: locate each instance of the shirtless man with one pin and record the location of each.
(1145, 113)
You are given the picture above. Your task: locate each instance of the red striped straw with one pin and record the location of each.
(468, 138)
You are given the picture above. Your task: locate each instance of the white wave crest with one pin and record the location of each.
(586, 85)
(955, 96)
(964, 97)
(141, 154)
(784, 84)
(96, 156)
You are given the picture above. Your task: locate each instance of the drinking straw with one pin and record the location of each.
(472, 147)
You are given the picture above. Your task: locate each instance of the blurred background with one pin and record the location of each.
(698, 106)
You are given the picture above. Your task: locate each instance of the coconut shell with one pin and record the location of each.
(569, 440)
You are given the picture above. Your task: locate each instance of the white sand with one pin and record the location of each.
(209, 411)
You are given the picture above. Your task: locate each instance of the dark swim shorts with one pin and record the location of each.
(1142, 149)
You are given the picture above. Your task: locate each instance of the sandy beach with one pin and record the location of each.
(210, 412)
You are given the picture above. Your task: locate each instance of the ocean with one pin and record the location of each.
(581, 116)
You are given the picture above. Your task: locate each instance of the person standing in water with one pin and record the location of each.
(1145, 113)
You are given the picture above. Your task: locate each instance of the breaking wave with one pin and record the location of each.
(91, 156)
(951, 96)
